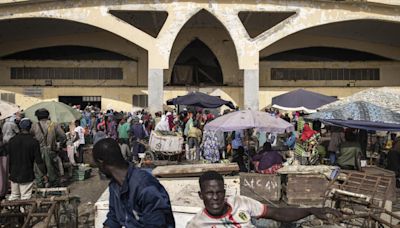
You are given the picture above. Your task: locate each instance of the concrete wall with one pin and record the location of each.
(389, 75)
(130, 73)
(117, 98)
(120, 98)
(162, 51)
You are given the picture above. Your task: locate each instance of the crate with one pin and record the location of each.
(81, 173)
(305, 189)
(261, 187)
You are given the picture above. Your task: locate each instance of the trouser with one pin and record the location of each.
(80, 153)
(50, 160)
(60, 166)
(3, 176)
(332, 157)
(125, 151)
(193, 143)
(71, 153)
(136, 148)
(21, 191)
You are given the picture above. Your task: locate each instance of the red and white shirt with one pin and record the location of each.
(241, 210)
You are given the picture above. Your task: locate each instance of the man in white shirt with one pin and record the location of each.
(79, 140)
(237, 211)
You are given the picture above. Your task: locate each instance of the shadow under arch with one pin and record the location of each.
(321, 54)
(197, 65)
(66, 52)
(205, 31)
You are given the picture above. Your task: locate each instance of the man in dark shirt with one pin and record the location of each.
(137, 133)
(24, 151)
(137, 199)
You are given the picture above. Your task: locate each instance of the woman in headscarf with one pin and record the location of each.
(308, 132)
(209, 147)
(267, 161)
(163, 125)
(112, 127)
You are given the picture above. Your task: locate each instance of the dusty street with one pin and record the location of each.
(89, 191)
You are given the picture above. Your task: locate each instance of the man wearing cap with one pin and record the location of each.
(24, 151)
(47, 133)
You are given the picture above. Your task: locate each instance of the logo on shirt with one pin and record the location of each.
(244, 216)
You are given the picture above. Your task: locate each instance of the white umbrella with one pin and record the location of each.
(7, 109)
(246, 119)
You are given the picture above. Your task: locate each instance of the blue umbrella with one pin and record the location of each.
(301, 100)
(199, 99)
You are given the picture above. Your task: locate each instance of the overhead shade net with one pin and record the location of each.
(199, 99)
(360, 114)
(246, 119)
(301, 100)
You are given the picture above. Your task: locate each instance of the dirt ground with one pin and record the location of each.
(88, 191)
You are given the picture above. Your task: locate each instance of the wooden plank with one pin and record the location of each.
(261, 187)
(194, 169)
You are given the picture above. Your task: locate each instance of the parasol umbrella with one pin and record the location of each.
(246, 119)
(200, 100)
(59, 112)
(383, 97)
(360, 114)
(7, 109)
(301, 100)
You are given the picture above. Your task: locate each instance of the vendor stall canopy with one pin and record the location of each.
(246, 119)
(301, 100)
(371, 109)
(199, 99)
(385, 97)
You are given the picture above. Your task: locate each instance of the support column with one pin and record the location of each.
(251, 88)
(155, 89)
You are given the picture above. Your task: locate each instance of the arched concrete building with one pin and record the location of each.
(120, 54)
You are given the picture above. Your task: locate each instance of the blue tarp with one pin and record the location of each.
(365, 125)
(199, 99)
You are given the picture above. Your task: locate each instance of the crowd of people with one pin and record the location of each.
(137, 199)
(251, 149)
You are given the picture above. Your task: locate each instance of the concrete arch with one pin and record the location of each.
(287, 44)
(227, 56)
(86, 40)
(300, 22)
(302, 40)
(169, 39)
(98, 18)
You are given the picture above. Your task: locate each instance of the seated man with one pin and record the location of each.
(267, 161)
(349, 152)
(237, 211)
